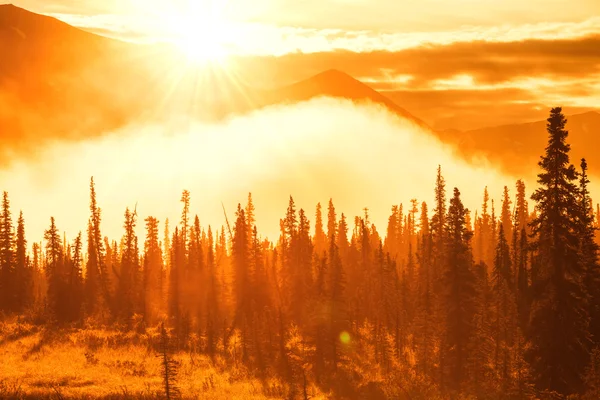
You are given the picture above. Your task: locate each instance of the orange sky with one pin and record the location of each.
(450, 63)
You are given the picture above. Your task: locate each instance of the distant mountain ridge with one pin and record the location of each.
(517, 145)
(334, 83)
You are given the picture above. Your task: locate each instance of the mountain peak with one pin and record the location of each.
(334, 77)
(9, 7)
(334, 73)
(338, 84)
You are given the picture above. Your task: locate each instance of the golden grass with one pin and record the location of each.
(40, 363)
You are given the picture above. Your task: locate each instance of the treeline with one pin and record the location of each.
(504, 303)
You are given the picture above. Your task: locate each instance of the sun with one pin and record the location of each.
(203, 37)
(202, 41)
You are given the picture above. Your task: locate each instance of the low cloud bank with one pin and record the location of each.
(361, 156)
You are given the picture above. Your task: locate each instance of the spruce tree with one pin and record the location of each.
(55, 272)
(337, 312)
(23, 284)
(589, 253)
(74, 285)
(7, 257)
(242, 286)
(506, 216)
(153, 266)
(320, 240)
(459, 284)
(504, 309)
(213, 315)
(128, 277)
(558, 329)
(97, 282)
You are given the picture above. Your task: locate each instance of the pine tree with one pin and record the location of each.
(438, 228)
(425, 324)
(185, 218)
(392, 233)
(194, 288)
(504, 309)
(523, 296)
(242, 286)
(23, 284)
(559, 314)
(74, 286)
(483, 232)
(459, 282)
(506, 216)
(128, 277)
(250, 218)
(175, 273)
(54, 271)
(7, 257)
(153, 266)
(589, 252)
(521, 207)
(302, 276)
(320, 240)
(337, 318)
(213, 315)
(97, 283)
(331, 222)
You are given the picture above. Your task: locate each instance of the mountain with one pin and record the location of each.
(334, 83)
(60, 81)
(517, 148)
(56, 79)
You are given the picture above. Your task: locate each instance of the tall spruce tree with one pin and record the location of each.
(55, 272)
(23, 284)
(153, 272)
(558, 330)
(589, 253)
(459, 283)
(7, 257)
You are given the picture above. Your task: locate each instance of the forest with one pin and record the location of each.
(443, 303)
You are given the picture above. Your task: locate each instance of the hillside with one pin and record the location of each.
(517, 147)
(338, 84)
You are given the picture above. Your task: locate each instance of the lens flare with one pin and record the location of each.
(345, 337)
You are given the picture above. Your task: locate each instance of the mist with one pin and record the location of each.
(360, 156)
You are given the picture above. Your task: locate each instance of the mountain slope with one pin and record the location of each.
(57, 81)
(517, 147)
(334, 83)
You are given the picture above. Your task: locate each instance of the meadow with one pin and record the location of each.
(85, 363)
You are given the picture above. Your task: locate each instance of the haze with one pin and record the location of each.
(361, 156)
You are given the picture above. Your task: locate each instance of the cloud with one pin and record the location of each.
(467, 109)
(487, 62)
(539, 72)
(259, 38)
(361, 156)
(431, 15)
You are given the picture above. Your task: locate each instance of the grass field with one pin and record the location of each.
(88, 364)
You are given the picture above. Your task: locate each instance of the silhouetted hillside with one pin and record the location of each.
(516, 147)
(60, 81)
(338, 84)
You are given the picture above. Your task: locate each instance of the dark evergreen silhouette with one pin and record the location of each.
(558, 330)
